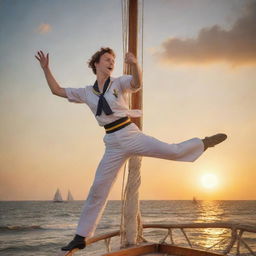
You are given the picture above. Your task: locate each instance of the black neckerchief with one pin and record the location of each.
(102, 103)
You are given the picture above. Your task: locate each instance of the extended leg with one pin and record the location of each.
(187, 151)
(105, 177)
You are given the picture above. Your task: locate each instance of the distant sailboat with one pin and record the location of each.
(57, 197)
(195, 201)
(70, 197)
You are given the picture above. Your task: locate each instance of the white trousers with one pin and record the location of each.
(119, 146)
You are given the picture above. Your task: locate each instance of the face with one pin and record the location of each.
(106, 64)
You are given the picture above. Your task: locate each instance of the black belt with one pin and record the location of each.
(117, 125)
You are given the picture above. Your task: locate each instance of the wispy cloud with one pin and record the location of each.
(236, 46)
(44, 28)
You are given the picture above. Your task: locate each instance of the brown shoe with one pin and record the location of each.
(214, 140)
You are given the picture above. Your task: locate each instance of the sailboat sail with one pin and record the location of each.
(70, 197)
(57, 196)
(195, 201)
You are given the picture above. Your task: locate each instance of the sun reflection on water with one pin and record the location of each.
(210, 211)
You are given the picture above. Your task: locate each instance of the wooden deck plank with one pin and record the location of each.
(160, 250)
(135, 251)
(184, 251)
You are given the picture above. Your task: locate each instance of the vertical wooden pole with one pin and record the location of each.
(132, 216)
(136, 100)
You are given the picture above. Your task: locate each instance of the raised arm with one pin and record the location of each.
(135, 70)
(54, 86)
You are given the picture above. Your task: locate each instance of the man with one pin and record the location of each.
(108, 102)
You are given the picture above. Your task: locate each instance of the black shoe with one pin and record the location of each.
(213, 140)
(78, 242)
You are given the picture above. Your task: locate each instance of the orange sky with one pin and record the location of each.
(199, 79)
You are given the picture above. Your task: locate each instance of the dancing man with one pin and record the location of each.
(107, 99)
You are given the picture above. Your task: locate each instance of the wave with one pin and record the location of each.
(63, 215)
(20, 228)
(49, 246)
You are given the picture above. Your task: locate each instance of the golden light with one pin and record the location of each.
(209, 180)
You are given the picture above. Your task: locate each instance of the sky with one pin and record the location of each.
(199, 79)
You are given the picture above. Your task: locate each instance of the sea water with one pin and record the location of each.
(42, 227)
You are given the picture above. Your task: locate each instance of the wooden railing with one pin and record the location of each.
(237, 232)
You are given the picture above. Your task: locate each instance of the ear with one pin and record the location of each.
(96, 65)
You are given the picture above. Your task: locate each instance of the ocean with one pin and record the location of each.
(41, 227)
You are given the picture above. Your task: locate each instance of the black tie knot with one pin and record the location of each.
(102, 103)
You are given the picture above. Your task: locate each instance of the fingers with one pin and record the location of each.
(130, 58)
(42, 56)
(37, 57)
(129, 54)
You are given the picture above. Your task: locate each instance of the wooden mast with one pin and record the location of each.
(132, 217)
(136, 100)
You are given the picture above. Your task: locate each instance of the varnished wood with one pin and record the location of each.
(178, 225)
(183, 251)
(136, 98)
(135, 250)
(101, 237)
(133, 26)
(161, 249)
(149, 249)
(229, 225)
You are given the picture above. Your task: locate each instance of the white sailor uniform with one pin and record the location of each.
(120, 145)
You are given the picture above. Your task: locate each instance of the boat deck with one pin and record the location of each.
(151, 249)
(156, 254)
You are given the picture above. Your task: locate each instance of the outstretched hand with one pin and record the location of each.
(130, 58)
(44, 60)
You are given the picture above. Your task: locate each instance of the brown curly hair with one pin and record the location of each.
(96, 57)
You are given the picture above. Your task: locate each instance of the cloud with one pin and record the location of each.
(236, 46)
(44, 28)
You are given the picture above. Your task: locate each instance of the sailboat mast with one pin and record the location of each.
(136, 99)
(131, 225)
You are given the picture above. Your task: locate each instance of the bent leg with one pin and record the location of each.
(105, 177)
(186, 151)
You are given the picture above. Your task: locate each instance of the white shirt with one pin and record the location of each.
(119, 104)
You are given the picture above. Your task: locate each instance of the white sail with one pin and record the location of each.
(70, 197)
(57, 196)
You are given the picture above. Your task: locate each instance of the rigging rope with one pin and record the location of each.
(125, 8)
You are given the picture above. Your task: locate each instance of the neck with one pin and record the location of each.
(101, 79)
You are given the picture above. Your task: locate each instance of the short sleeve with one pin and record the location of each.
(76, 95)
(125, 84)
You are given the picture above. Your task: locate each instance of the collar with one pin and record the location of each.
(106, 86)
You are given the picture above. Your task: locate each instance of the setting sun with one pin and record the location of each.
(209, 180)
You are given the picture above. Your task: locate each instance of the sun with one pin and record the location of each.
(209, 180)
